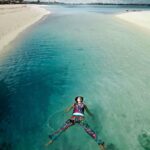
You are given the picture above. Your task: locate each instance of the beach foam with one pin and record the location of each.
(16, 18)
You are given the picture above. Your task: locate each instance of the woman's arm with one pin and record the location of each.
(69, 108)
(88, 111)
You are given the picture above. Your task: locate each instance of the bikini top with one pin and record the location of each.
(79, 108)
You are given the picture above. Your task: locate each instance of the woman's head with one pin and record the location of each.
(79, 99)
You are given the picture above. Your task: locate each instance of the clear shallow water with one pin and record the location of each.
(76, 52)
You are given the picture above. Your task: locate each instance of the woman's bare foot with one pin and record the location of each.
(50, 142)
(102, 147)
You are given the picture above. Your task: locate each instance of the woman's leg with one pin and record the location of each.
(57, 133)
(88, 130)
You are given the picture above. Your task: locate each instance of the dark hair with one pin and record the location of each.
(78, 97)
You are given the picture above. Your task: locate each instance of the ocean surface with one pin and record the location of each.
(77, 50)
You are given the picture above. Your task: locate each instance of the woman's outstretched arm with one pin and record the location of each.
(69, 108)
(88, 111)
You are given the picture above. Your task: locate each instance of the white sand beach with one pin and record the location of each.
(16, 18)
(140, 18)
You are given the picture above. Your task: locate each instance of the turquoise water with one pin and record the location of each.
(74, 52)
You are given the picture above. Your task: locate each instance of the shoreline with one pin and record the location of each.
(138, 18)
(16, 18)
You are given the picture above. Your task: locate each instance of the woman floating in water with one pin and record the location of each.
(77, 117)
